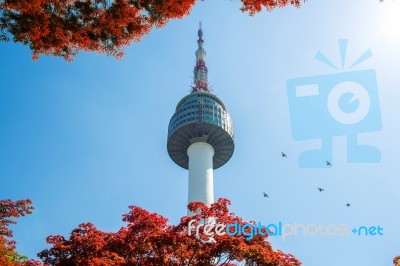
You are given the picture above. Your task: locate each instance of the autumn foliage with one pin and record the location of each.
(149, 240)
(65, 27)
(9, 210)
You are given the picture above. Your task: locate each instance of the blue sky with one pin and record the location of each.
(84, 140)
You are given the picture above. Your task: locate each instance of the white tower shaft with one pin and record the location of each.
(201, 175)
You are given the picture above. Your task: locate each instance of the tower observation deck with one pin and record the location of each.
(200, 132)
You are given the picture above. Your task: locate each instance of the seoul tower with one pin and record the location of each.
(200, 133)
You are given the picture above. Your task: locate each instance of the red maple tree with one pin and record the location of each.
(65, 27)
(9, 210)
(147, 239)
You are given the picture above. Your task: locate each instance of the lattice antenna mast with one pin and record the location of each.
(200, 69)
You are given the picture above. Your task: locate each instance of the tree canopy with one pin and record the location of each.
(65, 27)
(9, 210)
(148, 239)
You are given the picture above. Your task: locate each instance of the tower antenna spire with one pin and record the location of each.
(200, 34)
(200, 70)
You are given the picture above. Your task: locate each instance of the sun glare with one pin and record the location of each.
(391, 25)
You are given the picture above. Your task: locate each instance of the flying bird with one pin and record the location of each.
(348, 205)
(321, 189)
(265, 195)
(328, 163)
(284, 155)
